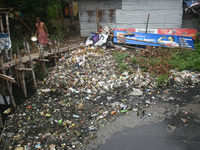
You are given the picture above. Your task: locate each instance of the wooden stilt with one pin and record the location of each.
(7, 24)
(58, 48)
(11, 56)
(3, 91)
(29, 55)
(10, 74)
(17, 77)
(6, 52)
(31, 65)
(3, 87)
(26, 66)
(1, 24)
(24, 43)
(54, 49)
(23, 86)
(7, 83)
(42, 57)
(1, 121)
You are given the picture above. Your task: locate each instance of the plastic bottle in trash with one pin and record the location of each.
(76, 116)
(60, 121)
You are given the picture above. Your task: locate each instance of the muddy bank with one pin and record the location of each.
(164, 129)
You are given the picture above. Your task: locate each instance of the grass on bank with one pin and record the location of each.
(183, 60)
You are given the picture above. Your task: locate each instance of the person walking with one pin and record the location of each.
(42, 32)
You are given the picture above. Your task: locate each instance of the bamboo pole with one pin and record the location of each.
(1, 121)
(6, 52)
(5, 77)
(97, 15)
(3, 91)
(7, 24)
(54, 52)
(147, 23)
(43, 60)
(29, 54)
(54, 57)
(17, 77)
(42, 57)
(22, 21)
(2, 131)
(31, 65)
(26, 66)
(59, 48)
(1, 24)
(23, 85)
(11, 56)
(24, 69)
(10, 74)
(24, 44)
(7, 83)
(3, 87)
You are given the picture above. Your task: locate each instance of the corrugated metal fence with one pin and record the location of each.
(130, 14)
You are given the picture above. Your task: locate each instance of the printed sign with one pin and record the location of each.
(167, 40)
(179, 32)
(153, 31)
(4, 37)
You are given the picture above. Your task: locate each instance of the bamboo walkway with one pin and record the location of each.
(36, 56)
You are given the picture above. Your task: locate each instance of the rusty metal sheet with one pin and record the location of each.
(85, 5)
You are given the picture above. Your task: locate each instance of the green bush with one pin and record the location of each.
(162, 79)
(186, 60)
(122, 67)
(134, 60)
(120, 57)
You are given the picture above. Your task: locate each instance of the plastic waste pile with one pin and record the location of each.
(186, 77)
(80, 95)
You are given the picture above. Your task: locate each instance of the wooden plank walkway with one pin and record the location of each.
(34, 56)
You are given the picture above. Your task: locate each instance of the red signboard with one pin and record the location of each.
(178, 32)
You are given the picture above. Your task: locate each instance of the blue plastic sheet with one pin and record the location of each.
(6, 38)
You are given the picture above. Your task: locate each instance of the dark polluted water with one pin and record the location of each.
(156, 136)
(18, 96)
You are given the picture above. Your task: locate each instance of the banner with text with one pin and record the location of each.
(178, 32)
(167, 40)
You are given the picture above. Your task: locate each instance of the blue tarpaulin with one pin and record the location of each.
(5, 37)
(168, 40)
(190, 2)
